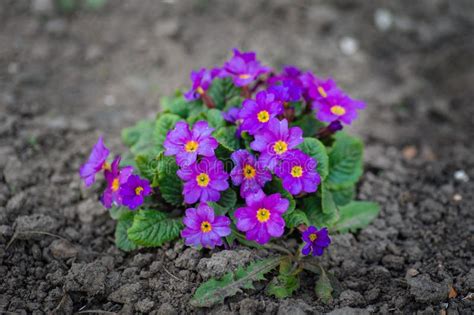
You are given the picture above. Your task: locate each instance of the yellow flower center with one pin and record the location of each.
(263, 116)
(191, 146)
(115, 184)
(203, 180)
(322, 92)
(244, 76)
(249, 172)
(200, 90)
(206, 227)
(338, 110)
(280, 147)
(138, 190)
(296, 171)
(106, 166)
(263, 215)
(313, 237)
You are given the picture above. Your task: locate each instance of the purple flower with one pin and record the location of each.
(232, 115)
(320, 90)
(289, 73)
(244, 68)
(204, 180)
(298, 173)
(275, 142)
(337, 106)
(97, 162)
(256, 114)
(133, 191)
(286, 92)
(202, 80)
(186, 144)
(204, 228)
(115, 178)
(262, 217)
(316, 241)
(248, 173)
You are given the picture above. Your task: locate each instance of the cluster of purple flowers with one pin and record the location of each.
(123, 187)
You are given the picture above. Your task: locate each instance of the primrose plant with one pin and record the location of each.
(247, 156)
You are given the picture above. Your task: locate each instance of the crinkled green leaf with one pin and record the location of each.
(323, 288)
(164, 123)
(226, 137)
(295, 218)
(228, 198)
(287, 281)
(176, 105)
(275, 186)
(345, 161)
(169, 183)
(121, 237)
(222, 91)
(153, 228)
(215, 119)
(328, 204)
(218, 209)
(146, 166)
(343, 195)
(309, 124)
(314, 148)
(312, 206)
(141, 138)
(356, 215)
(194, 118)
(116, 212)
(215, 291)
(235, 101)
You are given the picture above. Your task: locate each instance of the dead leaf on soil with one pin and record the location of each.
(452, 292)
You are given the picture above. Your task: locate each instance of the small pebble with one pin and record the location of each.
(348, 45)
(383, 19)
(461, 176)
(109, 100)
(457, 197)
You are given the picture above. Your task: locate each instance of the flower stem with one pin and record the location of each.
(208, 100)
(278, 248)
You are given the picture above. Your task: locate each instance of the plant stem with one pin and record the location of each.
(278, 248)
(208, 100)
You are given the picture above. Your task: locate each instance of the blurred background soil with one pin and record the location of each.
(69, 74)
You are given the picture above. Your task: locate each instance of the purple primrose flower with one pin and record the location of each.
(204, 180)
(337, 106)
(97, 162)
(316, 241)
(275, 142)
(298, 173)
(248, 173)
(262, 218)
(115, 178)
(133, 191)
(256, 114)
(243, 67)
(232, 115)
(204, 228)
(319, 90)
(202, 80)
(187, 144)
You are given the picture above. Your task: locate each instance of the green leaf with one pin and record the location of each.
(345, 161)
(314, 148)
(226, 137)
(343, 195)
(215, 291)
(309, 124)
(286, 282)
(194, 118)
(356, 215)
(116, 212)
(141, 138)
(121, 237)
(218, 209)
(323, 288)
(153, 228)
(295, 218)
(275, 186)
(228, 198)
(215, 119)
(176, 105)
(328, 204)
(164, 123)
(95, 4)
(222, 91)
(146, 166)
(169, 183)
(235, 101)
(312, 206)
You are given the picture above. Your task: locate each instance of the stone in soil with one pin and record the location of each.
(223, 262)
(427, 291)
(89, 278)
